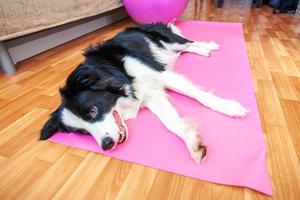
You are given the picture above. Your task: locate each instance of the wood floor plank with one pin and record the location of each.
(138, 183)
(162, 181)
(285, 177)
(261, 70)
(55, 177)
(82, 179)
(284, 88)
(296, 83)
(27, 135)
(53, 153)
(109, 181)
(69, 62)
(291, 110)
(270, 54)
(79, 152)
(52, 103)
(19, 162)
(289, 66)
(7, 80)
(20, 124)
(25, 181)
(12, 92)
(18, 108)
(3, 159)
(270, 104)
(3, 102)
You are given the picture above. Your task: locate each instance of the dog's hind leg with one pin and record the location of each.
(164, 110)
(174, 29)
(181, 85)
(201, 48)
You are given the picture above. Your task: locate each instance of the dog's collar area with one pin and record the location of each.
(122, 130)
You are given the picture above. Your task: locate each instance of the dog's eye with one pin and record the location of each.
(93, 111)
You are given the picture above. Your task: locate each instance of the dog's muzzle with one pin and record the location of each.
(122, 130)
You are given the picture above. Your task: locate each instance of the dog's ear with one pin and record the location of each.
(87, 77)
(83, 77)
(51, 126)
(118, 87)
(112, 85)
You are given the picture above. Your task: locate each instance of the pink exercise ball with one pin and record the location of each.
(151, 11)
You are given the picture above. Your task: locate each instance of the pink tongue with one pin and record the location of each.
(117, 118)
(120, 125)
(119, 122)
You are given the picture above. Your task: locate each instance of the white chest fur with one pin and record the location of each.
(146, 81)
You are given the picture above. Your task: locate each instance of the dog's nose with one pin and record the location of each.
(107, 143)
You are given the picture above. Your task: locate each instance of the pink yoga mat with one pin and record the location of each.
(236, 146)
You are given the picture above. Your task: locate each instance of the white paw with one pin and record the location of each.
(212, 46)
(203, 52)
(207, 45)
(196, 148)
(232, 108)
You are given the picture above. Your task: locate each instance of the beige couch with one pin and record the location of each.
(21, 17)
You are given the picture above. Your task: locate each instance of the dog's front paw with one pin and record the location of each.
(232, 108)
(197, 149)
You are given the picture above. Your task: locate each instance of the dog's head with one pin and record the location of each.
(89, 105)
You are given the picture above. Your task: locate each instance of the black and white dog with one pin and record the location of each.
(130, 71)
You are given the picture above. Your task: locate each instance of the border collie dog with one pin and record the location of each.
(130, 71)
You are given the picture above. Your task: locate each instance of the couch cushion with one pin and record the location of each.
(21, 17)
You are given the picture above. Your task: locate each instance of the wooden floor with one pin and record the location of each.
(30, 169)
